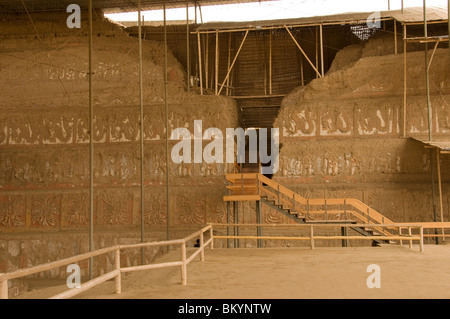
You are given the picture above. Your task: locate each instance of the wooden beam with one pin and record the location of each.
(200, 62)
(404, 82)
(270, 62)
(303, 52)
(321, 52)
(206, 61)
(317, 49)
(432, 55)
(217, 63)
(395, 38)
(228, 63)
(241, 198)
(234, 61)
(441, 203)
(302, 71)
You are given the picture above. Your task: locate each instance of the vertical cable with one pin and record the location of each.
(91, 147)
(167, 122)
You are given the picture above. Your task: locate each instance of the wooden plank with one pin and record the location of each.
(241, 198)
(216, 82)
(36, 269)
(234, 61)
(200, 63)
(242, 176)
(151, 266)
(88, 285)
(303, 52)
(245, 186)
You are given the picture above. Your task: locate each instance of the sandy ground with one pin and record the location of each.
(291, 273)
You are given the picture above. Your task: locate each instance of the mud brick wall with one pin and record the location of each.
(342, 136)
(44, 143)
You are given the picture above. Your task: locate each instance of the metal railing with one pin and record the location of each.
(118, 270)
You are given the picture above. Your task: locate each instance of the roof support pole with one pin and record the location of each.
(216, 72)
(302, 71)
(228, 63)
(427, 75)
(141, 135)
(200, 70)
(427, 69)
(166, 104)
(234, 61)
(321, 51)
(317, 49)
(206, 61)
(441, 203)
(270, 62)
(91, 145)
(188, 48)
(303, 52)
(195, 15)
(405, 42)
(395, 38)
(433, 192)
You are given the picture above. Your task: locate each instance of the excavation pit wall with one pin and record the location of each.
(44, 145)
(344, 135)
(341, 137)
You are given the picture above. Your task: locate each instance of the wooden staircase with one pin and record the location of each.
(257, 187)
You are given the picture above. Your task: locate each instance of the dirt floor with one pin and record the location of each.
(290, 273)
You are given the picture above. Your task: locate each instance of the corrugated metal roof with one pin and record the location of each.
(410, 15)
(107, 6)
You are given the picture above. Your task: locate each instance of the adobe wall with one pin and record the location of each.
(44, 142)
(342, 136)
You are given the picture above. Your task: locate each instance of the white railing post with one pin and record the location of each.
(421, 239)
(312, 237)
(183, 266)
(212, 237)
(400, 233)
(118, 279)
(410, 234)
(3, 288)
(202, 248)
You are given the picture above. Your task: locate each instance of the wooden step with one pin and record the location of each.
(241, 198)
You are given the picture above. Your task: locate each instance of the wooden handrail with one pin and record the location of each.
(353, 206)
(116, 273)
(312, 237)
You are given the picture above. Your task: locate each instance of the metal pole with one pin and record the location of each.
(91, 148)
(270, 62)
(433, 193)
(427, 69)
(200, 71)
(321, 51)
(234, 222)
(188, 48)
(167, 124)
(141, 105)
(217, 63)
(259, 221)
(395, 38)
(405, 124)
(441, 204)
(228, 222)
